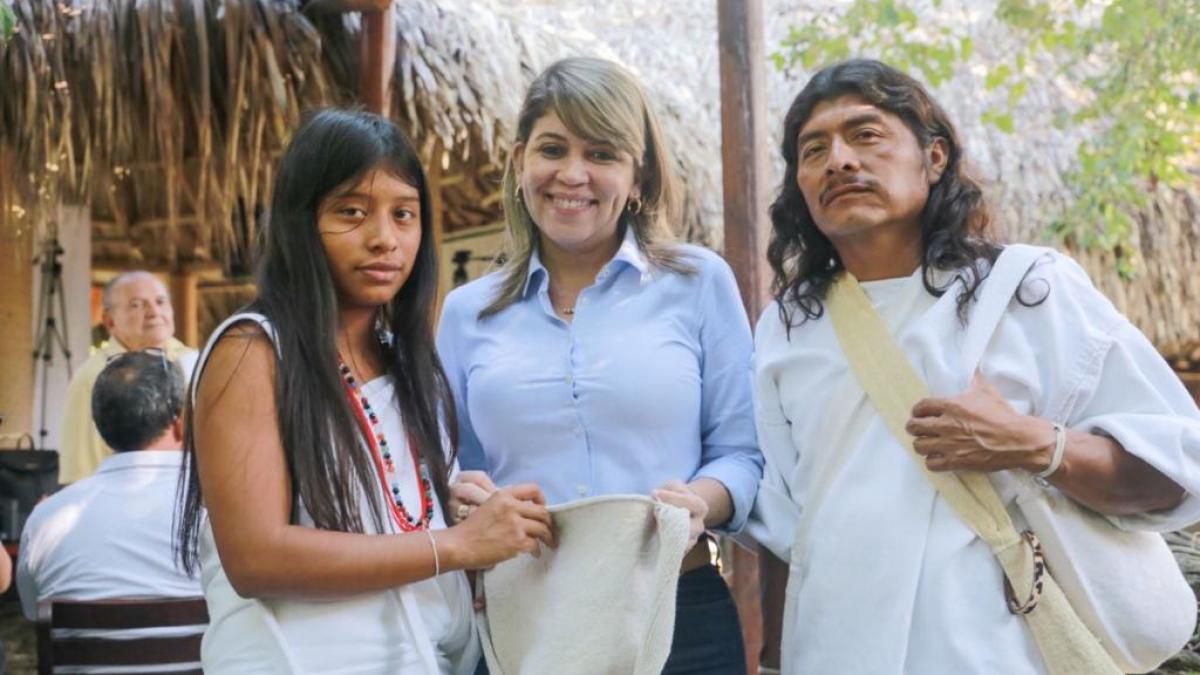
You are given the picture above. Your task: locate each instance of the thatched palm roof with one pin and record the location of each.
(182, 105)
(169, 114)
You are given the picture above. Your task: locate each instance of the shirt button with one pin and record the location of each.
(583, 490)
(578, 431)
(568, 379)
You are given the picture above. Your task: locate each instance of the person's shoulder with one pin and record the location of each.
(703, 268)
(473, 296)
(1055, 284)
(245, 349)
(770, 325)
(60, 502)
(1051, 272)
(702, 258)
(90, 370)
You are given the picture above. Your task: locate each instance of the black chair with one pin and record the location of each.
(114, 615)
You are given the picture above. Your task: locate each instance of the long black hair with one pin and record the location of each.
(954, 222)
(326, 466)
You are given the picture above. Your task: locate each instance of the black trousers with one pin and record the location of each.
(708, 637)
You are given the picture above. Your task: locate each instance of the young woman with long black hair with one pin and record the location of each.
(320, 433)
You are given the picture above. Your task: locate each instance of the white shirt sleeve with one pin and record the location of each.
(1099, 374)
(775, 515)
(1138, 401)
(27, 586)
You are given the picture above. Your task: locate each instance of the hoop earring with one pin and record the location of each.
(517, 192)
(634, 204)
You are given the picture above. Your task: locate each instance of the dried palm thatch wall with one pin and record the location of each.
(168, 115)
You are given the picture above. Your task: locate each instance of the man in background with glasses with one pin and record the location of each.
(110, 535)
(138, 315)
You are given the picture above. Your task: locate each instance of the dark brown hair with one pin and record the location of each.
(954, 223)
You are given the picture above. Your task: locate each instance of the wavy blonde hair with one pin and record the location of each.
(600, 101)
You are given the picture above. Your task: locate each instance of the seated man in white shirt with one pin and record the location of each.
(110, 535)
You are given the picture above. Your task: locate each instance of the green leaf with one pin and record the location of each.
(965, 48)
(1016, 92)
(996, 76)
(1001, 120)
(8, 22)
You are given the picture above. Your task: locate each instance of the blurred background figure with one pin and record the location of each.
(138, 315)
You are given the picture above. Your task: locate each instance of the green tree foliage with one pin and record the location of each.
(1139, 59)
(8, 21)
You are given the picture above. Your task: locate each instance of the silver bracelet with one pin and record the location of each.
(437, 565)
(768, 670)
(1060, 445)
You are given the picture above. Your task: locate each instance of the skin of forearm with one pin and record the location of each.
(716, 495)
(1098, 473)
(298, 561)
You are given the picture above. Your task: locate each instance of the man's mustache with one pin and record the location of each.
(865, 183)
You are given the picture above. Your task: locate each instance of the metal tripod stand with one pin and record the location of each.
(52, 319)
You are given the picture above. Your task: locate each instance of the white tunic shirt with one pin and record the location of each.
(885, 577)
(106, 536)
(381, 632)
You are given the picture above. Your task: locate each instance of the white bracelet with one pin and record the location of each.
(1060, 445)
(768, 670)
(437, 565)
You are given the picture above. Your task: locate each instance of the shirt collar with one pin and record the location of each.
(173, 347)
(631, 254)
(628, 254)
(141, 458)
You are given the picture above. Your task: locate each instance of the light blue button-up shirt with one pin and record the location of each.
(651, 381)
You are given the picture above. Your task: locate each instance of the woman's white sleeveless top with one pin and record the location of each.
(422, 628)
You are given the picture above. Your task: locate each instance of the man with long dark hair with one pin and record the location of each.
(882, 259)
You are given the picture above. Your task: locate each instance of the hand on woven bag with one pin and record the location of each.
(978, 430)
(467, 492)
(677, 493)
(512, 521)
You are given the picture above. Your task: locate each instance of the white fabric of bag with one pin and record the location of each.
(1125, 585)
(601, 603)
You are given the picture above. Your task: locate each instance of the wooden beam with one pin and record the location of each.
(744, 162)
(16, 336)
(377, 62)
(743, 145)
(343, 6)
(437, 207)
(185, 296)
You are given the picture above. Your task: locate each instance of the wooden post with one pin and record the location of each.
(433, 178)
(743, 145)
(16, 337)
(744, 159)
(185, 296)
(378, 57)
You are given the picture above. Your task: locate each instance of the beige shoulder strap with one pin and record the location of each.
(894, 387)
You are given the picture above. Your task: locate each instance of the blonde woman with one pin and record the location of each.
(604, 358)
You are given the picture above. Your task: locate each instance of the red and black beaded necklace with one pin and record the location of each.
(384, 464)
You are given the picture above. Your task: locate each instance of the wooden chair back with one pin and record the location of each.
(120, 615)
